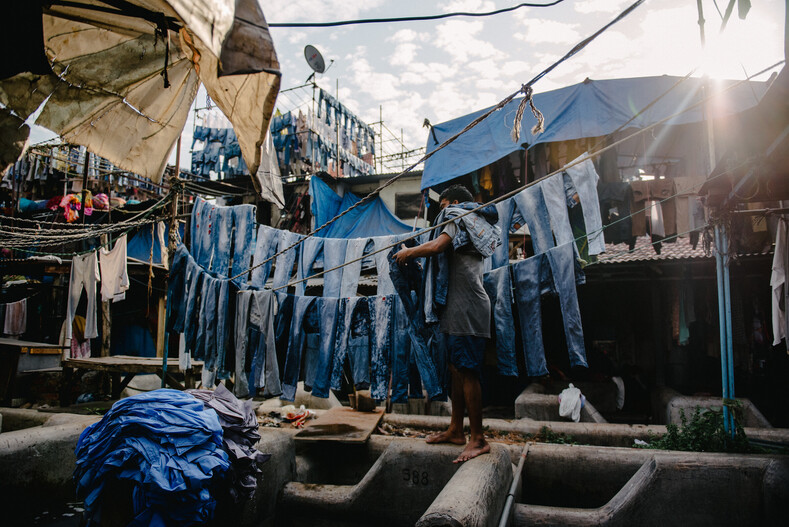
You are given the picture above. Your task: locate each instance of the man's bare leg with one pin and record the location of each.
(472, 392)
(453, 434)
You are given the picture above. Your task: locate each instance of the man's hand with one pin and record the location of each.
(403, 255)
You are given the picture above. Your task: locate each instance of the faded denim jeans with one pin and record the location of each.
(553, 191)
(351, 272)
(194, 288)
(284, 266)
(176, 290)
(310, 249)
(557, 266)
(381, 314)
(352, 342)
(265, 248)
(334, 250)
(501, 256)
(498, 285)
(532, 208)
(296, 344)
(328, 309)
(407, 281)
(585, 178)
(243, 241)
(265, 371)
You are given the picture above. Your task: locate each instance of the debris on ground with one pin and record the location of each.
(289, 416)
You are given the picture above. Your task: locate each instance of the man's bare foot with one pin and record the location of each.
(472, 450)
(447, 436)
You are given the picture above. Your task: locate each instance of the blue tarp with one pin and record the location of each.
(589, 109)
(139, 245)
(370, 219)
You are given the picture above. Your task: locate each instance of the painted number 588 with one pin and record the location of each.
(415, 477)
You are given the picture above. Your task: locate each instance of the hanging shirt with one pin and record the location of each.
(15, 318)
(777, 283)
(114, 274)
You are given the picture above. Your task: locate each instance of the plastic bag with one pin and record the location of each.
(570, 403)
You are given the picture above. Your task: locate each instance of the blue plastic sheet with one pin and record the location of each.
(367, 220)
(167, 446)
(588, 109)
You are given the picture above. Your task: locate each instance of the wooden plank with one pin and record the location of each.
(160, 325)
(342, 425)
(14, 343)
(123, 363)
(43, 351)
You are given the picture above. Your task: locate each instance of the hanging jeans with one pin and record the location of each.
(402, 355)
(176, 290)
(381, 311)
(498, 285)
(285, 261)
(265, 248)
(196, 228)
(334, 250)
(241, 386)
(554, 272)
(206, 347)
(223, 331)
(385, 286)
(555, 200)
(353, 342)
(222, 233)
(584, 177)
(407, 280)
(194, 286)
(310, 249)
(531, 206)
(296, 342)
(352, 272)
(84, 274)
(328, 309)
(501, 256)
(243, 241)
(264, 371)
(205, 216)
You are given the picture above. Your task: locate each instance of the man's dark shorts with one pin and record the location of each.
(466, 352)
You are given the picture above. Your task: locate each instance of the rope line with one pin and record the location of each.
(410, 18)
(578, 47)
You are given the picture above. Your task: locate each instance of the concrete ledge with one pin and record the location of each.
(399, 486)
(542, 407)
(475, 495)
(668, 403)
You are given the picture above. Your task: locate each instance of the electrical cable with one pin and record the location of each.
(526, 88)
(411, 18)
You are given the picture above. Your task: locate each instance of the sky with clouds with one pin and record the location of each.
(444, 69)
(447, 68)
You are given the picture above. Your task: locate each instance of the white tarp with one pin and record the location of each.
(107, 91)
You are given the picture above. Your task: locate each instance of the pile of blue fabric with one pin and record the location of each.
(167, 447)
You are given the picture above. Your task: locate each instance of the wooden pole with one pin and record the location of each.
(175, 186)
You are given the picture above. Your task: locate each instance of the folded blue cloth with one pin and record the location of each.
(167, 446)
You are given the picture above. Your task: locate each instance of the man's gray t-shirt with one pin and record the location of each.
(468, 307)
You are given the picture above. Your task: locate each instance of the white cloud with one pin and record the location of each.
(601, 6)
(316, 10)
(297, 37)
(467, 6)
(404, 54)
(457, 38)
(379, 86)
(541, 31)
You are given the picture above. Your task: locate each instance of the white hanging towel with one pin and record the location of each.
(778, 282)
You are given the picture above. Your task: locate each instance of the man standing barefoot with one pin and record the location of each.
(466, 317)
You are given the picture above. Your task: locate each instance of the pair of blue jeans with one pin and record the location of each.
(534, 212)
(221, 236)
(284, 263)
(195, 277)
(310, 250)
(243, 241)
(296, 343)
(205, 343)
(176, 290)
(334, 250)
(557, 266)
(553, 189)
(407, 280)
(353, 342)
(381, 310)
(328, 309)
(202, 218)
(352, 271)
(265, 248)
(498, 285)
(264, 371)
(585, 178)
(501, 256)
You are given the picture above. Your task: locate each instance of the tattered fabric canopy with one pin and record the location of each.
(124, 73)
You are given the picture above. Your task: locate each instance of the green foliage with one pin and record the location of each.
(704, 432)
(546, 435)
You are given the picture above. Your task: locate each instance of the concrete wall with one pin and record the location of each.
(668, 405)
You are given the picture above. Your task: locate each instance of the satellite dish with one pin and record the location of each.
(314, 59)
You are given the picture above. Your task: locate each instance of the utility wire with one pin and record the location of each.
(411, 18)
(526, 88)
